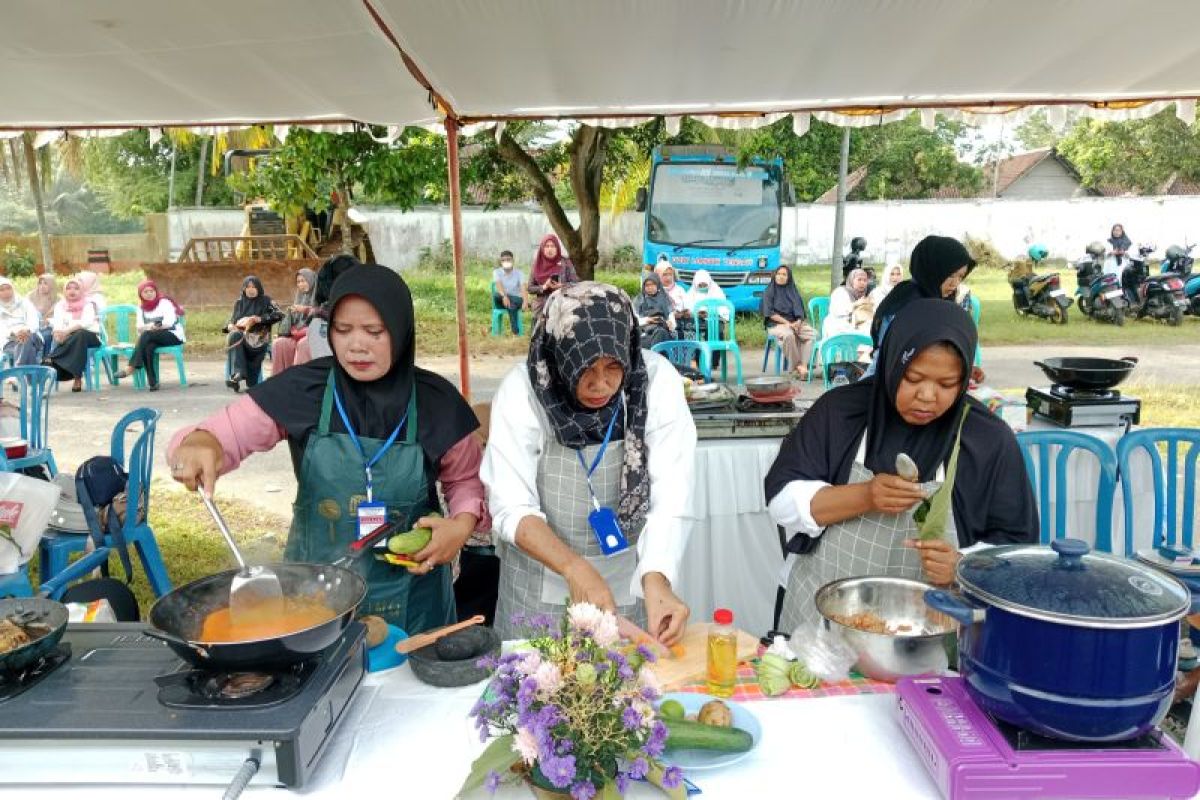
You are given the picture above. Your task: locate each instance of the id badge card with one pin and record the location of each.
(608, 531)
(370, 517)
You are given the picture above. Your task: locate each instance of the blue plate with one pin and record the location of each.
(712, 759)
(384, 656)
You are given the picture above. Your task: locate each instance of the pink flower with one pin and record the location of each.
(549, 679)
(601, 625)
(529, 662)
(648, 680)
(525, 744)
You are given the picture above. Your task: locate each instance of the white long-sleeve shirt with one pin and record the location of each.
(164, 314)
(62, 319)
(519, 433)
(21, 317)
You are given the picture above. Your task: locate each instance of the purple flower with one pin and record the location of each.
(517, 619)
(602, 667)
(622, 783)
(638, 768)
(631, 718)
(492, 781)
(527, 693)
(543, 621)
(672, 777)
(649, 694)
(656, 742)
(584, 790)
(559, 770)
(646, 653)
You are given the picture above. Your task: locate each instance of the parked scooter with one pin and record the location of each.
(1040, 295)
(1179, 262)
(1099, 292)
(1158, 297)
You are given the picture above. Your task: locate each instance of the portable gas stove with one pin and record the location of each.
(747, 419)
(1072, 408)
(121, 708)
(970, 755)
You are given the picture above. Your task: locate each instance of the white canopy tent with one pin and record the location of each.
(92, 65)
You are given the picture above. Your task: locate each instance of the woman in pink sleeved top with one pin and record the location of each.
(369, 434)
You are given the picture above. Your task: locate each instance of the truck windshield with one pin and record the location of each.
(715, 204)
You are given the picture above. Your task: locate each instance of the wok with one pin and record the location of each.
(49, 613)
(1089, 374)
(178, 617)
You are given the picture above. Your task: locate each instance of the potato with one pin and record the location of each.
(715, 713)
(377, 630)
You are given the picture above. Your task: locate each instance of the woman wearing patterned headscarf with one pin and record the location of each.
(590, 401)
(294, 328)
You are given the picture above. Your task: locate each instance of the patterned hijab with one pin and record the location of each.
(580, 324)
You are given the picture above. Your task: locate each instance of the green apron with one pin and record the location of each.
(325, 518)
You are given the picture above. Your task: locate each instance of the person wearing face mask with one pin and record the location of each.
(19, 324)
(587, 469)
(834, 486)
(507, 283)
(373, 438)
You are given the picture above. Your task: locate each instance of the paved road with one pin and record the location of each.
(80, 423)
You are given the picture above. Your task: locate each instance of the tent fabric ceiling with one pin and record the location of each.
(129, 63)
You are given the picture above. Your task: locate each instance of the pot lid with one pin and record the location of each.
(1068, 583)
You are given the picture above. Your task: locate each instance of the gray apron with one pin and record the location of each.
(526, 586)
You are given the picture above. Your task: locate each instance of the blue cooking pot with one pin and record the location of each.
(1065, 642)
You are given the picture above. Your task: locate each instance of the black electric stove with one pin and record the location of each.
(121, 708)
(1072, 408)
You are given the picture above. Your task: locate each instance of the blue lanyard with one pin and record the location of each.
(368, 463)
(599, 453)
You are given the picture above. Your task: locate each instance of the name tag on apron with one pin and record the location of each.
(607, 529)
(370, 517)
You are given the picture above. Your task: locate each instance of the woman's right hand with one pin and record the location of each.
(197, 461)
(587, 586)
(891, 494)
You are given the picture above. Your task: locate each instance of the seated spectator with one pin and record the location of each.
(316, 343)
(294, 328)
(685, 327)
(158, 318)
(850, 309)
(19, 327)
(785, 318)
(891, 277)
(249, 330)
(705, 288)
(76, 326)
(551, 271)
(654, 314)
(507, 293)
(43, 297)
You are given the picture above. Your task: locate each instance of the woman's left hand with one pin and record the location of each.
(666, 613)
(449, 536)
(938, 558)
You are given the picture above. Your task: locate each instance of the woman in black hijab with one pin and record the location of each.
(937, 266)
(834, 486)
(372, 437)
(785, 318)
(249, 330)
(653, 308)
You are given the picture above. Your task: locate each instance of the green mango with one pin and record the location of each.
(410, 542)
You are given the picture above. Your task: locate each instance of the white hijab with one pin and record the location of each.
(714, 292)
(12, 306)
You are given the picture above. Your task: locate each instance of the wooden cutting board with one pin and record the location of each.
(674, 672)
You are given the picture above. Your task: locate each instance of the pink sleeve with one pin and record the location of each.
(242, 428)
(458, 473)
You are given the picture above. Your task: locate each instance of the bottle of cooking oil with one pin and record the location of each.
(722, 654)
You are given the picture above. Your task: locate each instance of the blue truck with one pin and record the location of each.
(703, 212)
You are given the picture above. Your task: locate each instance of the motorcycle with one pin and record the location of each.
(1098, 292)
(1158, 297)
(1040, 295)
(1179, 263)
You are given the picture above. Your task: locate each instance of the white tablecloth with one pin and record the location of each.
(733, 554)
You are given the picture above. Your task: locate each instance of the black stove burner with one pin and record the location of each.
(205, 689)
(1069, 393)
(13, 683)
(1020, 739)
(748, 405)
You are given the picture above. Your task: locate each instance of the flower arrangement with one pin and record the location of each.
(572, 711)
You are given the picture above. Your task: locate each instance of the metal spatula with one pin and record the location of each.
(254, 593)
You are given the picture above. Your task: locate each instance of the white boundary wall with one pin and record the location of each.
(891, 228)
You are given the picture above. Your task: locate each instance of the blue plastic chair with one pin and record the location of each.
(1036, 449)
(500, 315)
(840, 347)
(1166, 481)
(684, 354)
(17, 584)
(818, 309)
(781, 361)
(976, 313)
(176, 350)
(118, 336)
(710, 339)
(55, 553)
(34, 384)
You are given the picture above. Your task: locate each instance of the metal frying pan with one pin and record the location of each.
(39, 611)
(1088, 374)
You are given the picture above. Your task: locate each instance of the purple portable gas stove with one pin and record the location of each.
(970, 755)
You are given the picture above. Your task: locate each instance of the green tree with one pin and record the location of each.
(1138, 155)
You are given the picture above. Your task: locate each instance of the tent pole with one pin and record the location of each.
(460, 285)
(835, 262)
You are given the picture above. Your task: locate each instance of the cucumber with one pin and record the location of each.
(684, 734)
(409, 542)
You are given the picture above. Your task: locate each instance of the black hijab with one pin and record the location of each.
(992, 498)
(786, 300)
(650, 305)
(933, 260)
(293, 397)
(1121, 242)
(330, 271)
(257, 306)
(580, 324)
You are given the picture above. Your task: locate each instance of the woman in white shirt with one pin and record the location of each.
(76, 325)
(678, 297)
(159, 325)
(590, 402)
(19, 320)
(850, 310)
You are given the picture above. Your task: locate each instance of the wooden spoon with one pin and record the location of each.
(423, 639)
